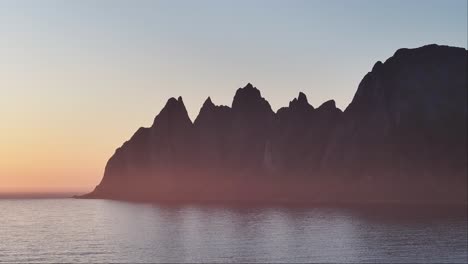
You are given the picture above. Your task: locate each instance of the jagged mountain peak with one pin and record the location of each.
(329, 105)
(173, 110)
(209, 109)
(207, 105)
(173, 103)
(249, 86)
(404, 131)
(300, 102)
(248, 91)
(208, 102)
(302, 97)
(377, 66)
(249, 98)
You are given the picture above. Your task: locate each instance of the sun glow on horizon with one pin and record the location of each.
(77, 79)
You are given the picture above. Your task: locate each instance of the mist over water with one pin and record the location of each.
(69, 230)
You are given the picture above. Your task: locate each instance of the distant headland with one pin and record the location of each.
(402, 138)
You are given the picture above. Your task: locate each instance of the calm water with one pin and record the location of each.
(69, 230)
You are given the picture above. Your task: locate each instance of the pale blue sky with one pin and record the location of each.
(86, 74)
(202, 48)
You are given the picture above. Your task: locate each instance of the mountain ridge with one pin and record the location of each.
(402, 134)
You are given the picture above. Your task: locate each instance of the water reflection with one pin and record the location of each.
(67, 230)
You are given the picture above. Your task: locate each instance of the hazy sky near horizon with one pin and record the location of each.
(77, 78)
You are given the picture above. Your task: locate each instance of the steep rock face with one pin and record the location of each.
(291, 137)
(300, 136)
(212, 129)
(152, 155)
(250, 131)
(403, 137)
(406, 125)
(171, 137)
(326, 118)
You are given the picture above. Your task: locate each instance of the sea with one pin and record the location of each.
(70, 230)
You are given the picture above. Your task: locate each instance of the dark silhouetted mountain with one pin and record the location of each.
(152, 155)
(212, 129)
(301, 135)
(406, 125)
(251, 127)
(402, 138)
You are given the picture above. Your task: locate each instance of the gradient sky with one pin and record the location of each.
(77, 78)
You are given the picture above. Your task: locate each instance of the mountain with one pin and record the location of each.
(404, 133)
(401, 139)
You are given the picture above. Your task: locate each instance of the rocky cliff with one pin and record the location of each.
(402, 138)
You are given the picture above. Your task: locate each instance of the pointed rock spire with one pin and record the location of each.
(173, 110)
(211, 113)
(302, 98)
(377, 66)
(300, 102)
(207, 109)
(170, 102)
(249, 98)
(208, 103)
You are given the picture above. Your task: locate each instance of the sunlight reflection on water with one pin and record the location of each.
(69, 230)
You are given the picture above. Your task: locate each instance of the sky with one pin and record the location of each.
(78, 78)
